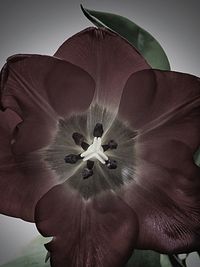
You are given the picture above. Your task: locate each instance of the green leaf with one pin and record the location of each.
(144, 258)
(143, 41)
(164, 261)
(197, 157)
(33, 255)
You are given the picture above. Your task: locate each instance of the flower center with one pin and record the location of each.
(95, 151)
(92, 152)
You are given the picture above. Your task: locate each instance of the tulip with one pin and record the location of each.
(97, 149)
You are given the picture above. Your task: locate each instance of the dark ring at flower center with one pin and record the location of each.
(92, 157)
(94, 151)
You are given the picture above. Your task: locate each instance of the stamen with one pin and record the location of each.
(72, 158)
(87, 171)
(98, 130)
(79, 140)
(111, 164)
(90, 164)
(105, 147)
(84, 145)
(111, 145)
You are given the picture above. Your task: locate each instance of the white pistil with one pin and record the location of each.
(95, 151)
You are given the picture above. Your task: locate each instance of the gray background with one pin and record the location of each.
(41, 26)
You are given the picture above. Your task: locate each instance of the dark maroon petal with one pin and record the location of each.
(152, 97)
(107, 57)
(97, 232)
(41, 89)
(22, 180)
(165, 191)
(165, 194)
(169, 221)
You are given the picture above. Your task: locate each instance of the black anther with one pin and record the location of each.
(72, 159)
(111, 164)
(84, 145)
(112, 144)
(86, 173)
(78, 138)
(90, 164)
(98, 130)
(105, 147)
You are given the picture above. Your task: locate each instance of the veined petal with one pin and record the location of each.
(22, 180)
(168, 207)
(167, 181)
(153, 97)
(99, 232)
(107, 57)
(42, 89)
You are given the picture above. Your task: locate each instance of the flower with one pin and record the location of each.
(97, 149)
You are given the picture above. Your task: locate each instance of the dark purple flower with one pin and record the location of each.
(97, 149)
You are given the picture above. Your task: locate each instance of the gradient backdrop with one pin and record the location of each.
(39, 27)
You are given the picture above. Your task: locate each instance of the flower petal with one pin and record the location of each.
(167, 185)
(153, 97)
(107, 57)
(98, 232)
(168, 207)
(22, 180)
(41, 89)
